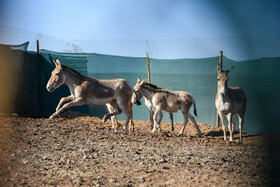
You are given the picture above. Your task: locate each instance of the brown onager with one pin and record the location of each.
(115, 93)
(230, 101)
(167, 100)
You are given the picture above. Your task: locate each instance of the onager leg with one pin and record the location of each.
(63, 100)
(241, 121)
(160, 117)
(112, 113)
(230, 118)
(131, 123)
(185, 108)
(172, 124)
(126, 107)
(184, 125)
(151, 117)
(156, 124)
(195, 124)
(233, 126)
(129, 119)
(223, 124)
(76, 102)
(111, 108)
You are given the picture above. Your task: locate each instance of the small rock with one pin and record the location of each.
(137, 153)
(86, 157)
(112, 180)
(24, 161)
(161, 160)
(14, 115)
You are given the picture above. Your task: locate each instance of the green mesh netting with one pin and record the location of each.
(259, 78)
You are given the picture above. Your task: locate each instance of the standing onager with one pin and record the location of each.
(115, 93)
(230, 101)
(170, 101)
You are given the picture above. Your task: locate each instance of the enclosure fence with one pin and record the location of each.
(189, 65)
(31, 70)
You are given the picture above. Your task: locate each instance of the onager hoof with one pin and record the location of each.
(104, 119)
(131, 129)
(180, 134)
(52, 116)
(125, 128)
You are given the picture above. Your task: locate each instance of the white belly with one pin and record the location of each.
(98, 101)
(223, 105)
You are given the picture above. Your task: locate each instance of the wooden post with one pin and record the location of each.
(221, 59)
(221, 64)
(148, 68)
(38, 48)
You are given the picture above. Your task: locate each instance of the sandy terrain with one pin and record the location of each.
(79, 150)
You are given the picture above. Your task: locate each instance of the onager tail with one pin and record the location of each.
(194, 106)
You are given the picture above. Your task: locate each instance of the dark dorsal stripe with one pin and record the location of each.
(150, 85)
(154, 88)
(74, 71)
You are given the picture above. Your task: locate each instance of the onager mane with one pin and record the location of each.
(73, 70)
(150, 86)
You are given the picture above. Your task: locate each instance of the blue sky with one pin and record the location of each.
(145, 19)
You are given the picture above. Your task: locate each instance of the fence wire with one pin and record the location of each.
(188, 64)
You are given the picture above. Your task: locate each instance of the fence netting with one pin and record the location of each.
(24, 76)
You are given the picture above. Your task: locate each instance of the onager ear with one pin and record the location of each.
(142, 82)
(138, 80)
(219, 68)
(230, 69)
(58, 64)
(54, 62)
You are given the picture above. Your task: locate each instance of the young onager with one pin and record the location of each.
(167, 100)
(230, 101)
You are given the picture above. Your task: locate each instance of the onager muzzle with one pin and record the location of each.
(50, 88)
(136, 99)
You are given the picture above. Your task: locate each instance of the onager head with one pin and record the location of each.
(138, 92)
(57, 77)
(223, 80)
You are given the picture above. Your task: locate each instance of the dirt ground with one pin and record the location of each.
(79, 150)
